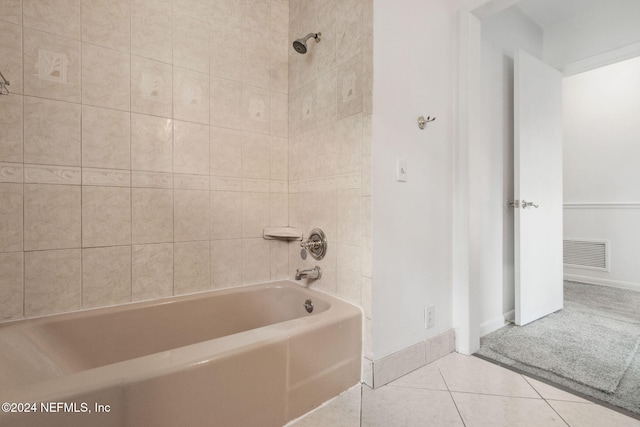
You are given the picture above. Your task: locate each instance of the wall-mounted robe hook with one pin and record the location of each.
(422, 122)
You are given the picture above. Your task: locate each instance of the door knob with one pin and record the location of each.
(526, 204)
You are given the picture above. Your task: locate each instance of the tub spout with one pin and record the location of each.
(312, 273)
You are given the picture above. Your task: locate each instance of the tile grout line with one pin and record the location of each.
(362, 386)
(24, 186)
(451, 395)
(543, 398)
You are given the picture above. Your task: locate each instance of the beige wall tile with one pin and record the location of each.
(190, 182)
(365, 212)
(221, 183)
(11, 217)
(191, 267)
(198, 9)
(12, 11)
(191, 215)
(106, 77)
(325, 16)
(256, 261)
(152, 271)
(61, 17)
(52, 281)
(349, 137)
(367, 95)
(11, 286)
(190, 96)
(367, 51)
(323, 142)
(11, 54)
(226, 263)
(106, 216)
(350, 83)
(226, 152)
(106, 138)
(152, 215)
(366, 176)
(279, 158)
(255, 214)
(348, 229)
(279, 260)
(256, 51)
(191, 42)
(256, 109)
(226, 103)
(151, 179)
(11, 172)
(280, 46)
(366, 135)
(151, 29)
(226, 37)
(314, 209)
(367, 298)
(367, 16)
(51, 216)
(106, 177)
(279, 209)
(226, 215)
(151, 143)
(51, 132)
(43, 174)
(256, 185)
(107, 23)
(279, 115)
(349, 273)
(366, 256)
(11, 140)
(106, 276)
(190, 148)
(151, 87)
(327, 95)
(256, 156)
(54, 66)
(281, 187)
(349, 29)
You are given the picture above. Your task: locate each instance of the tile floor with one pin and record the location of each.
(464, 391)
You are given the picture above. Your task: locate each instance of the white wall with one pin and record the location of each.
(601, 173)
(491, 166)
(601, 132)
(611, 33)
(414, 75)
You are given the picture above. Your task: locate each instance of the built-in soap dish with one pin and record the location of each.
(282, 233)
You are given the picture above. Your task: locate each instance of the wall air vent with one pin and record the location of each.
(585, 253)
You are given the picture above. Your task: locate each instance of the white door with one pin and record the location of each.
(538, 180)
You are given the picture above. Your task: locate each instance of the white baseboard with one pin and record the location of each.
(510, 315)
(602, 282)
(491, 325)
(496, 323)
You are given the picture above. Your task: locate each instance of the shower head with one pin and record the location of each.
(300, 45)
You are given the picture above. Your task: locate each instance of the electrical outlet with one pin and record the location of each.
(429, 317)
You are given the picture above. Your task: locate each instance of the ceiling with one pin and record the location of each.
(548, 13)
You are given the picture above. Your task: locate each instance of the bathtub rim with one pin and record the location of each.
(173, 360)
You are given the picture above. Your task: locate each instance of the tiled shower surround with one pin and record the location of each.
(147, 143)
(142, 151)
(330, 110)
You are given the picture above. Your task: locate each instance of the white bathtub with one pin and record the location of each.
(248, 356)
